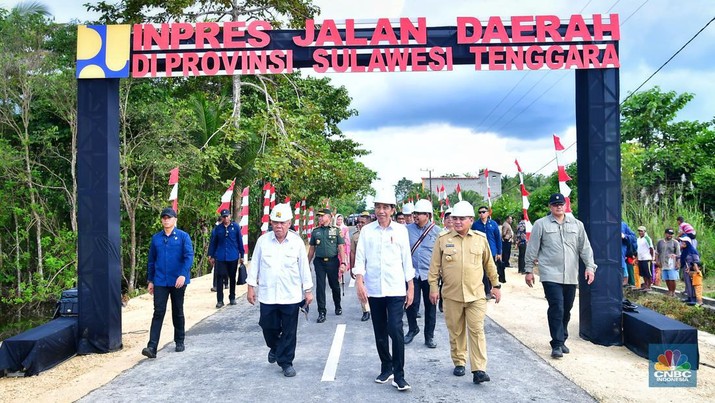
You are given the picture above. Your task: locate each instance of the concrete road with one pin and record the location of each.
(225, 359)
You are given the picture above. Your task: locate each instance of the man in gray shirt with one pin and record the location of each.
(557, 241)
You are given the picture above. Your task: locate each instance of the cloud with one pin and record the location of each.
(398, 152)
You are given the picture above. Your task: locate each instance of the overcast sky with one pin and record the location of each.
(464, 121)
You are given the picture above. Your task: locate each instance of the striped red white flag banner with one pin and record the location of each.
(524, 201)
(310, 223)
(489, 190)
(564, 177)
(266, 207)
(226, 198)
(243, 222)
(296, 222)
(174, 195)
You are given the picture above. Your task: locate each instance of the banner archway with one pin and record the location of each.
(105, 54)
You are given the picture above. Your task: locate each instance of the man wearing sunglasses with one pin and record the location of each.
(423, 234)
(490, 228)
(225, 254)
(556, 243)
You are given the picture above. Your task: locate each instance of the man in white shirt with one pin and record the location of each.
(280, 271)
(383, 270)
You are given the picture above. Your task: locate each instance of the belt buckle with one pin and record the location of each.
(326, 259)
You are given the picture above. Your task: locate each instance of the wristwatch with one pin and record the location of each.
(497, 286)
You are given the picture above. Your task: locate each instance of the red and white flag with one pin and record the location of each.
(564, 177)
(266, 207)
(304, 216)
(524, 200)
(459, 192)
(243, 222)
(273, 196)
(226, 198)
(174, 195)
(310, 223)
(489, 190)
(296, 223)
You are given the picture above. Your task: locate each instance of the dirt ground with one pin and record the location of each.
(610, 374)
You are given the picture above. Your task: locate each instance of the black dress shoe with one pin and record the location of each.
(411, 335)
(430, 343)
(565, 349)
(219, 305)
(180, 347)
(271, 356)
(289, 371)
(419, 315)
(557, 352)
(232, 302)
(458, 370)
(321, 317)
(149, 352)
(365, 316)
(480, 376)
(213, 289)
(338, 311)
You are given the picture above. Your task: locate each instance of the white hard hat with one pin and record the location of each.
(448, 211)
(423, 206)
(408, 208)
(385, 197)
(281, 213)
(463, 209)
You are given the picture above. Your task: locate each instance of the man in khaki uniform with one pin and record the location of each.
(460, 257)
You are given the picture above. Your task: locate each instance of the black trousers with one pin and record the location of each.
(280, 325)
(330, 270)
(386, 314)
(522, 257)
(505, 253)
(226, 271)
(161, 297)
(560, 298)
(422, 288)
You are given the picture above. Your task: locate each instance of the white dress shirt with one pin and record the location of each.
(280, 270)
(384, 260)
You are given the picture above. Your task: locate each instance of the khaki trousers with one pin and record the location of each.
(464, 318)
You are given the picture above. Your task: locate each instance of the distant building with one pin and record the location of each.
(475, 184)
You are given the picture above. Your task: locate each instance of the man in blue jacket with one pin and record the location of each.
(225, 253)
(489, 227)
(171, 255)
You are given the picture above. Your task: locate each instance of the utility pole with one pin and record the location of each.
(430, 180)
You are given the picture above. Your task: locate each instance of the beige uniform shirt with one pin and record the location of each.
(461, 261)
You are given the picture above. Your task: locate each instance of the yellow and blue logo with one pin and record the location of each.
(103, 51)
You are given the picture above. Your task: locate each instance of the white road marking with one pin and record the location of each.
(331, 366)
(352, 282)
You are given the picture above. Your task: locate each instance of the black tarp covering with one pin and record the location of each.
(40, 348)
(645, 327)
(100, 286)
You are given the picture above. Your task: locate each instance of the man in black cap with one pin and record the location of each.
(325, 244)
(171, 255)
(557, 241)
(225, 253)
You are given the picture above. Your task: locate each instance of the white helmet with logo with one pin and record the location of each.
(423, 206)
(385, 197)
(281, 213)
(408, 208)
(463, 209)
